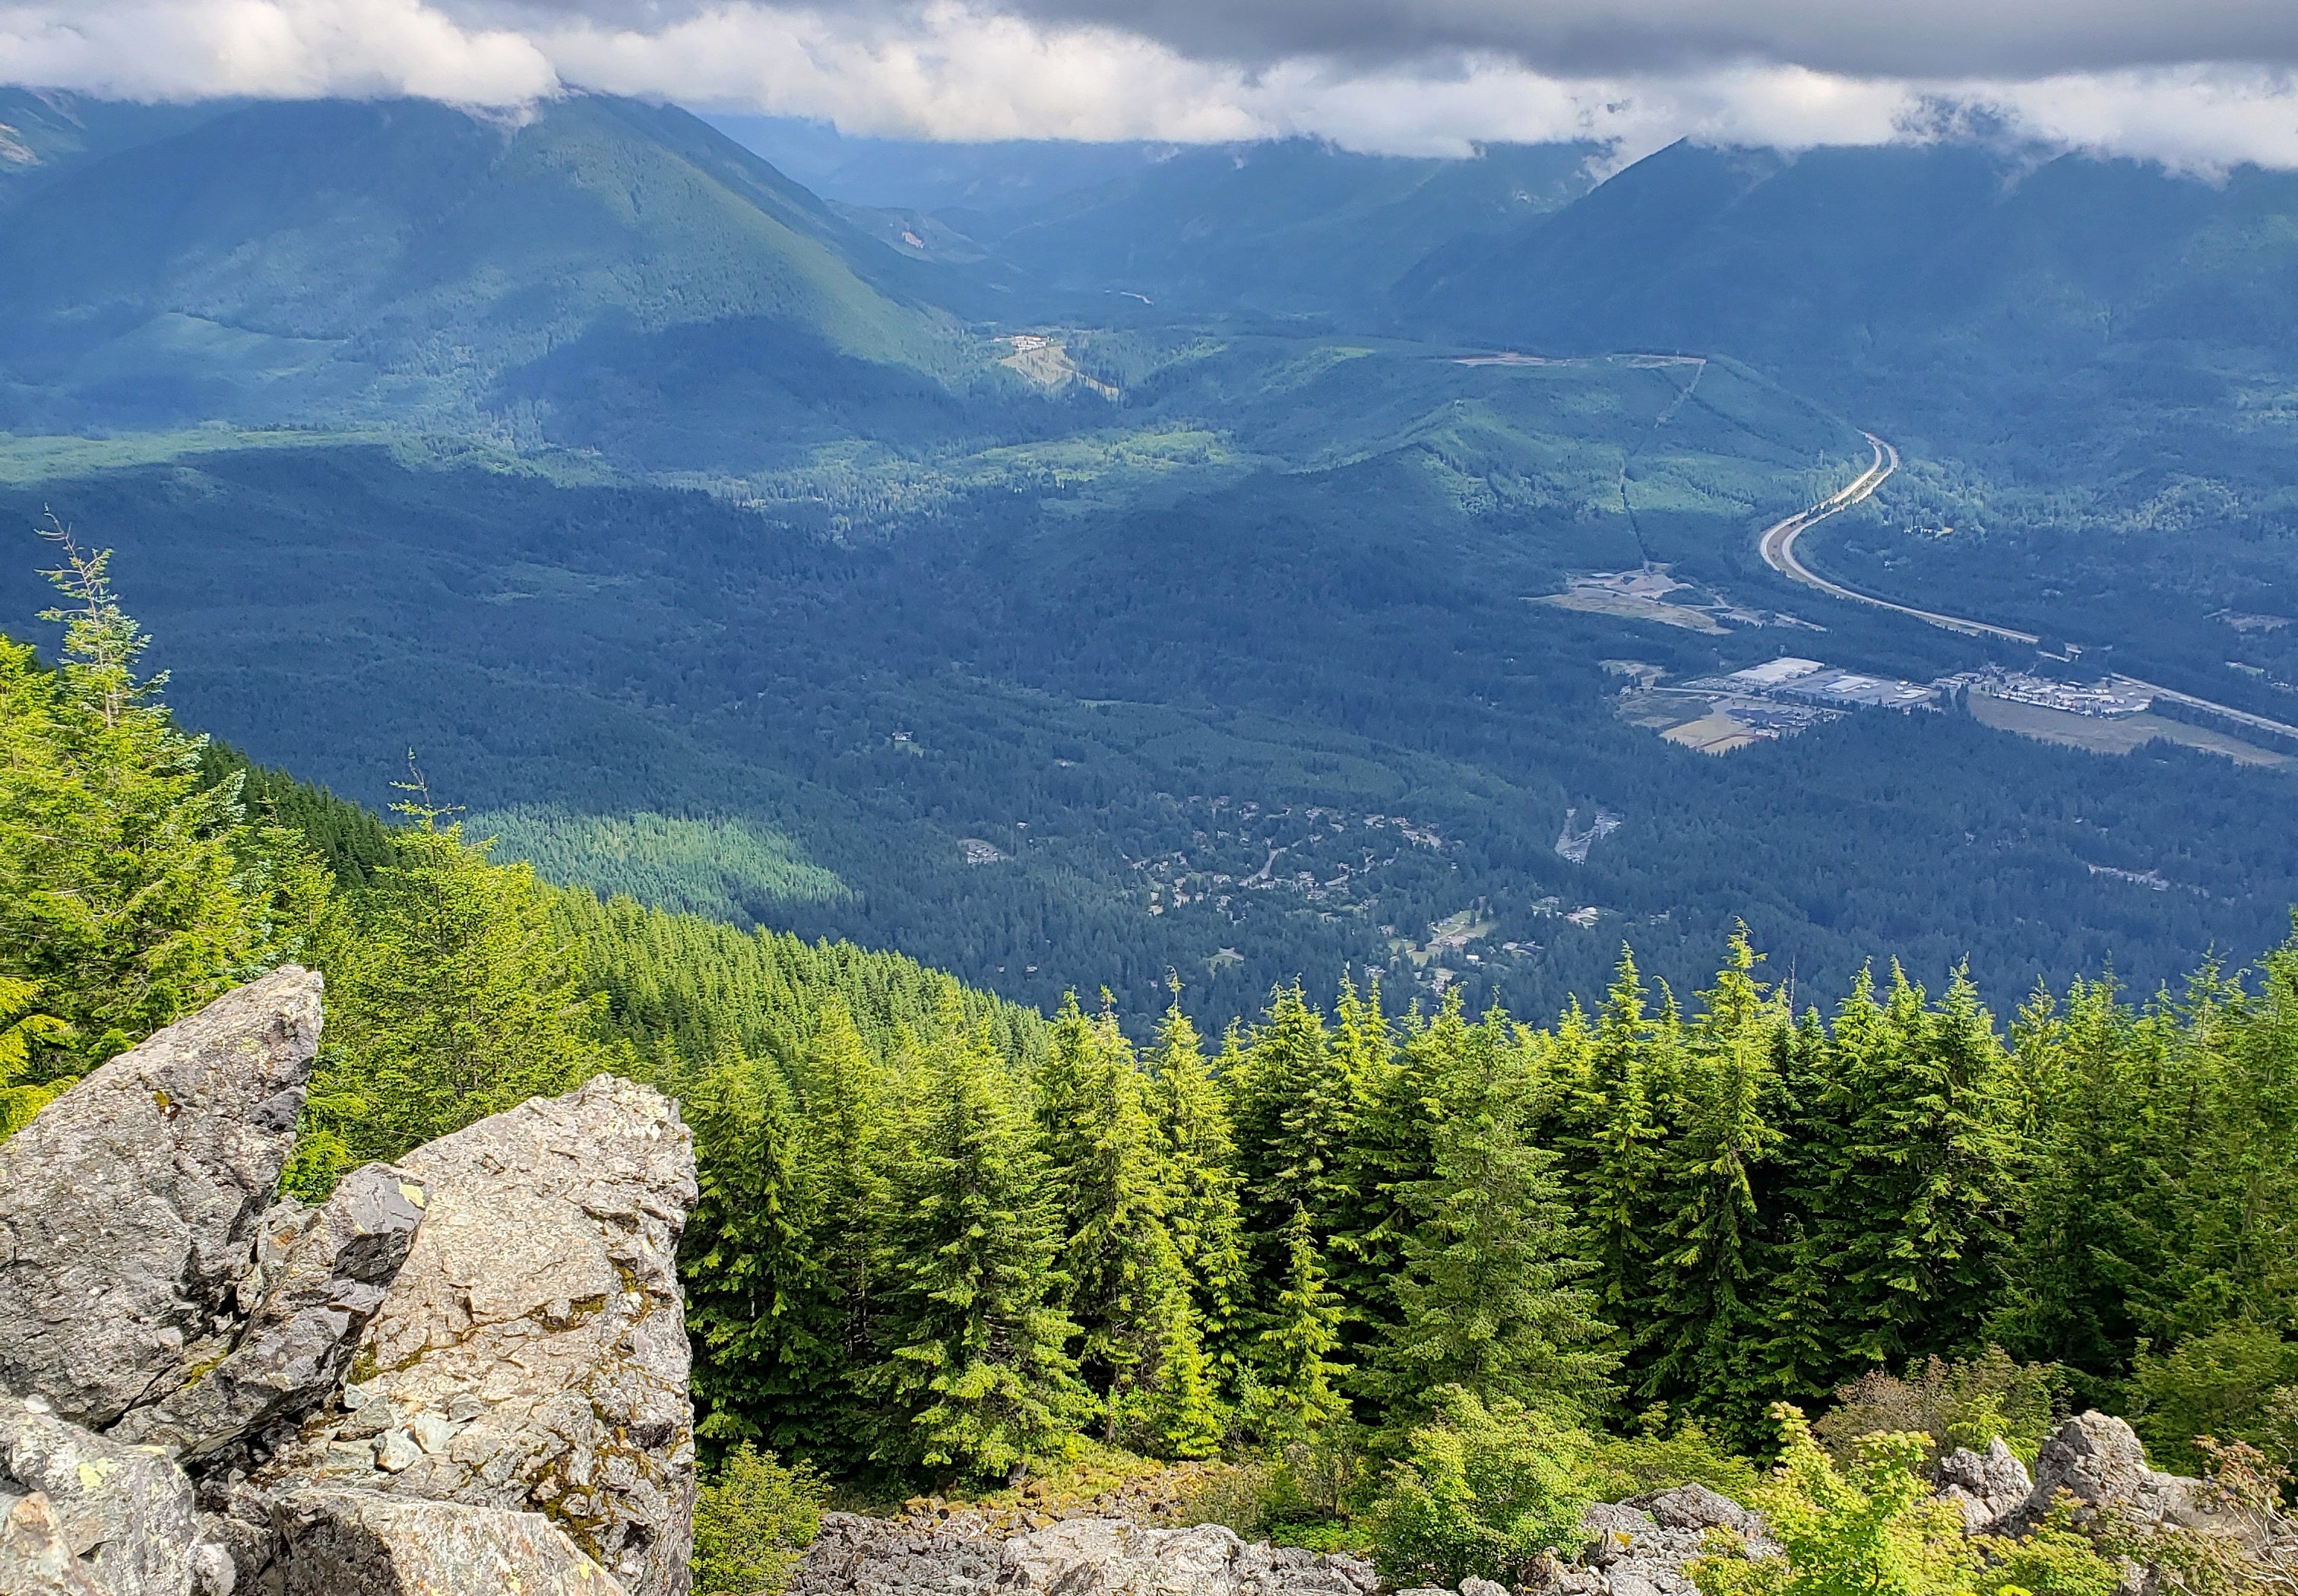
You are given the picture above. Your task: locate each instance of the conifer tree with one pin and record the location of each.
(1491, 1300)
(452, 997)
(1614, 1122)
(845, 1149)
(1705, 1324)
(769, 1365)
(131, 891)
(1300, 1384)
(1121, 1263)
(1397, 1091)
(1917, 1216)
(1202, 1212)
(973, 1374)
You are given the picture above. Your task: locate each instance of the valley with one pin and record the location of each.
(754, 561)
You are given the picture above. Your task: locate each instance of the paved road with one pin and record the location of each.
(1777, 547)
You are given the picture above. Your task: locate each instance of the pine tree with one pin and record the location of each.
(1489, 1297)
(1614, 1125)
(1397, 1091)
(769, 1365)
(973, 1374)
(1202, 1212)
(1705, 1326)
(845, 1149)
(452, 997)
(1122, 1265)
(1917, 1216)
(131, 891)
(1300, 1384)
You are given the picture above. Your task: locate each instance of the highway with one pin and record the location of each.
(1777, 546)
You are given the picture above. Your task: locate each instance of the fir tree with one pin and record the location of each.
(1614, 1120)
(131, 891)
(1703, 1323)
(452, 997)
(1489, 1297)
(769, 1365)
(973, 1374)
(1299, 1381)
(1202, 1205)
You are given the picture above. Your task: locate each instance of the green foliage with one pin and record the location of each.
(1954, 1402)
(1657, 1455)
(451, 996)
(1871, 1528)
(975, 1375)
(1480, 1490)
(1490, 1300)
(2053, 1558)
(753, 1520)
(21, 1023)
(1297, 1388)
(734, 871)
(130, 892)
(2238, 1382)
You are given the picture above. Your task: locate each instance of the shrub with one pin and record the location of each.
(1659, 1458)
(1871, 1528)
(1481, 1491)
(1966, 1402)
(753, 1520)
(2232, 1383)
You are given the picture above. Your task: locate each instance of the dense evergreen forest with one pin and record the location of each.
(1022, 738)
(1395, 1249)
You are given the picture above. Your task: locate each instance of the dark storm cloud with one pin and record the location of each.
(1905, 39)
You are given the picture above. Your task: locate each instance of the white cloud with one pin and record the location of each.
(182, 49)
(965, 70)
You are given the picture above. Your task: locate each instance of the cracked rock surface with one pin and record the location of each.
(532, 1352)
(965, 1556)
(356, 1543)
(128, 1206)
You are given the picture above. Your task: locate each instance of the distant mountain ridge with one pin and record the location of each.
(405, 261)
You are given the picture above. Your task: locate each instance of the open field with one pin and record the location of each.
(2123, 735)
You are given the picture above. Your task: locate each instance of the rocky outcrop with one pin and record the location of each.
(464, 1372)
(1985, 1487)
(532, 1352)
(319, 1276)
(356, 1544)
(2099, 1464)
(127, 1205)
(125, 1513)
(1640, 1547)
(968, 1554)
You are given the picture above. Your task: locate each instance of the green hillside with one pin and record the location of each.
(2088, 364)
(404, 261)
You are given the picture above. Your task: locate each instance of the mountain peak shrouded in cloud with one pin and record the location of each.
(2203, 87)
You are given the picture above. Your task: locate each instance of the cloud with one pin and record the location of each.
(184, 49)
(2199, 88)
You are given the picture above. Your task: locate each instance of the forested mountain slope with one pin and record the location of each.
(334, 262)
(2088, 364)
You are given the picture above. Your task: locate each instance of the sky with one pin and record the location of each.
(2197, 85)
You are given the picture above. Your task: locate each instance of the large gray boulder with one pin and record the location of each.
(321, 1275)
(1985, 1487)
(356, 1544)
(2099, 1464)
(129, 1204)
(532, 1352)
(125, 1512)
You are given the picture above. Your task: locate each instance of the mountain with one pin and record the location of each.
(1936, 287)
(405, 261)
(1282, 228)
